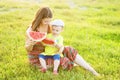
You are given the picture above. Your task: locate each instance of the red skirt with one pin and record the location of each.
(70, 53)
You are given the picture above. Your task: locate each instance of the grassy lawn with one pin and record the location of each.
(91, 26)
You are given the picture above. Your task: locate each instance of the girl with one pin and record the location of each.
(39, 24)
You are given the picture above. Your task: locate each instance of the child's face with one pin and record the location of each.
(56, 30)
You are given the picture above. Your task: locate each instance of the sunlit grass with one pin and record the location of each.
(91, 26)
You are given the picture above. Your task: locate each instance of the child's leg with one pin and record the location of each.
(56, 63)
(43, 62)
(80, 61)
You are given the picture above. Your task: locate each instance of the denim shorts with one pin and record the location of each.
(55, 57)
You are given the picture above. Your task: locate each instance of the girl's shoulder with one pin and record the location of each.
(29, 28)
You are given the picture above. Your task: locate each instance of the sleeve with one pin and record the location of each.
(29, 29)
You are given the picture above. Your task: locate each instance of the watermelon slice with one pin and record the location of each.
(36, 36)
(48, 41)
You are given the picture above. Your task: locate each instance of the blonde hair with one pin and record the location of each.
(42, 13)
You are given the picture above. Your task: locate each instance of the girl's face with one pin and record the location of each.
(46, 21)
(56, 30)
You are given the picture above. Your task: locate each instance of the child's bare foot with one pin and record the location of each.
(55, 72)
(43, 70)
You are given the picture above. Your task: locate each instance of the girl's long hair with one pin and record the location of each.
(42, 13)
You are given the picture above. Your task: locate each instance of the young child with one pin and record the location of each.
(53, 51)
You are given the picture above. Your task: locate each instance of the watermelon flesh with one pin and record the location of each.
(37, 36)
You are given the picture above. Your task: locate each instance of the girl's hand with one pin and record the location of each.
(31, 42)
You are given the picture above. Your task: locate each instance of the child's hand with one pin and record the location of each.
(58, 46)
(61, 49)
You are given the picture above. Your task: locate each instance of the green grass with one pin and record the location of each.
(91, 26)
